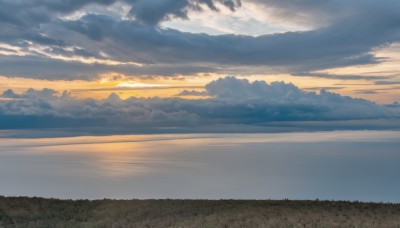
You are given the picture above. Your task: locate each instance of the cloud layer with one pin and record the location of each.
(153, 12)
(97, 37)
(233, 101)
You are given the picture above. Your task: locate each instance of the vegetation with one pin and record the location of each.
(39, 212)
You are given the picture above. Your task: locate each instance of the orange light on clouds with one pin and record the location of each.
(150, 86)
(130, 84)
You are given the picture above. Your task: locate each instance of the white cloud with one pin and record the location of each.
(249, 19)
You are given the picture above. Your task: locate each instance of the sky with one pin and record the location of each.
(171, 64)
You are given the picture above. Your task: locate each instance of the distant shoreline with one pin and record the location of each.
(39, 212)
(261, 128)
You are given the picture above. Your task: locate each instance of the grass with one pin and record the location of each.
(39, 212)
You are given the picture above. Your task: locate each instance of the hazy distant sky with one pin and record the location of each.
(83, 59)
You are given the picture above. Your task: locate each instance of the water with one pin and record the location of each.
(340, 165)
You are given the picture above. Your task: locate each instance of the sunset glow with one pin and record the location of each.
(229, 100)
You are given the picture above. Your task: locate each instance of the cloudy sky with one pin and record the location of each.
(164, 63)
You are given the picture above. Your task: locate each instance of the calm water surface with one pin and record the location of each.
(345, 165)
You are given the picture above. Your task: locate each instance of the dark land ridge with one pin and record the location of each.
(40, 212)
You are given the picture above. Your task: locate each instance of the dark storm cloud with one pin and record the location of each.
(39, 67)
(154, 11)
(298, 50)
(25, 20)
(350, 31)
(47, 68)
(233, 101)
(37, 11)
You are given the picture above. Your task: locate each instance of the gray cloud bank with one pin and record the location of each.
(155, 11)
(349, 32)
(233, 102)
